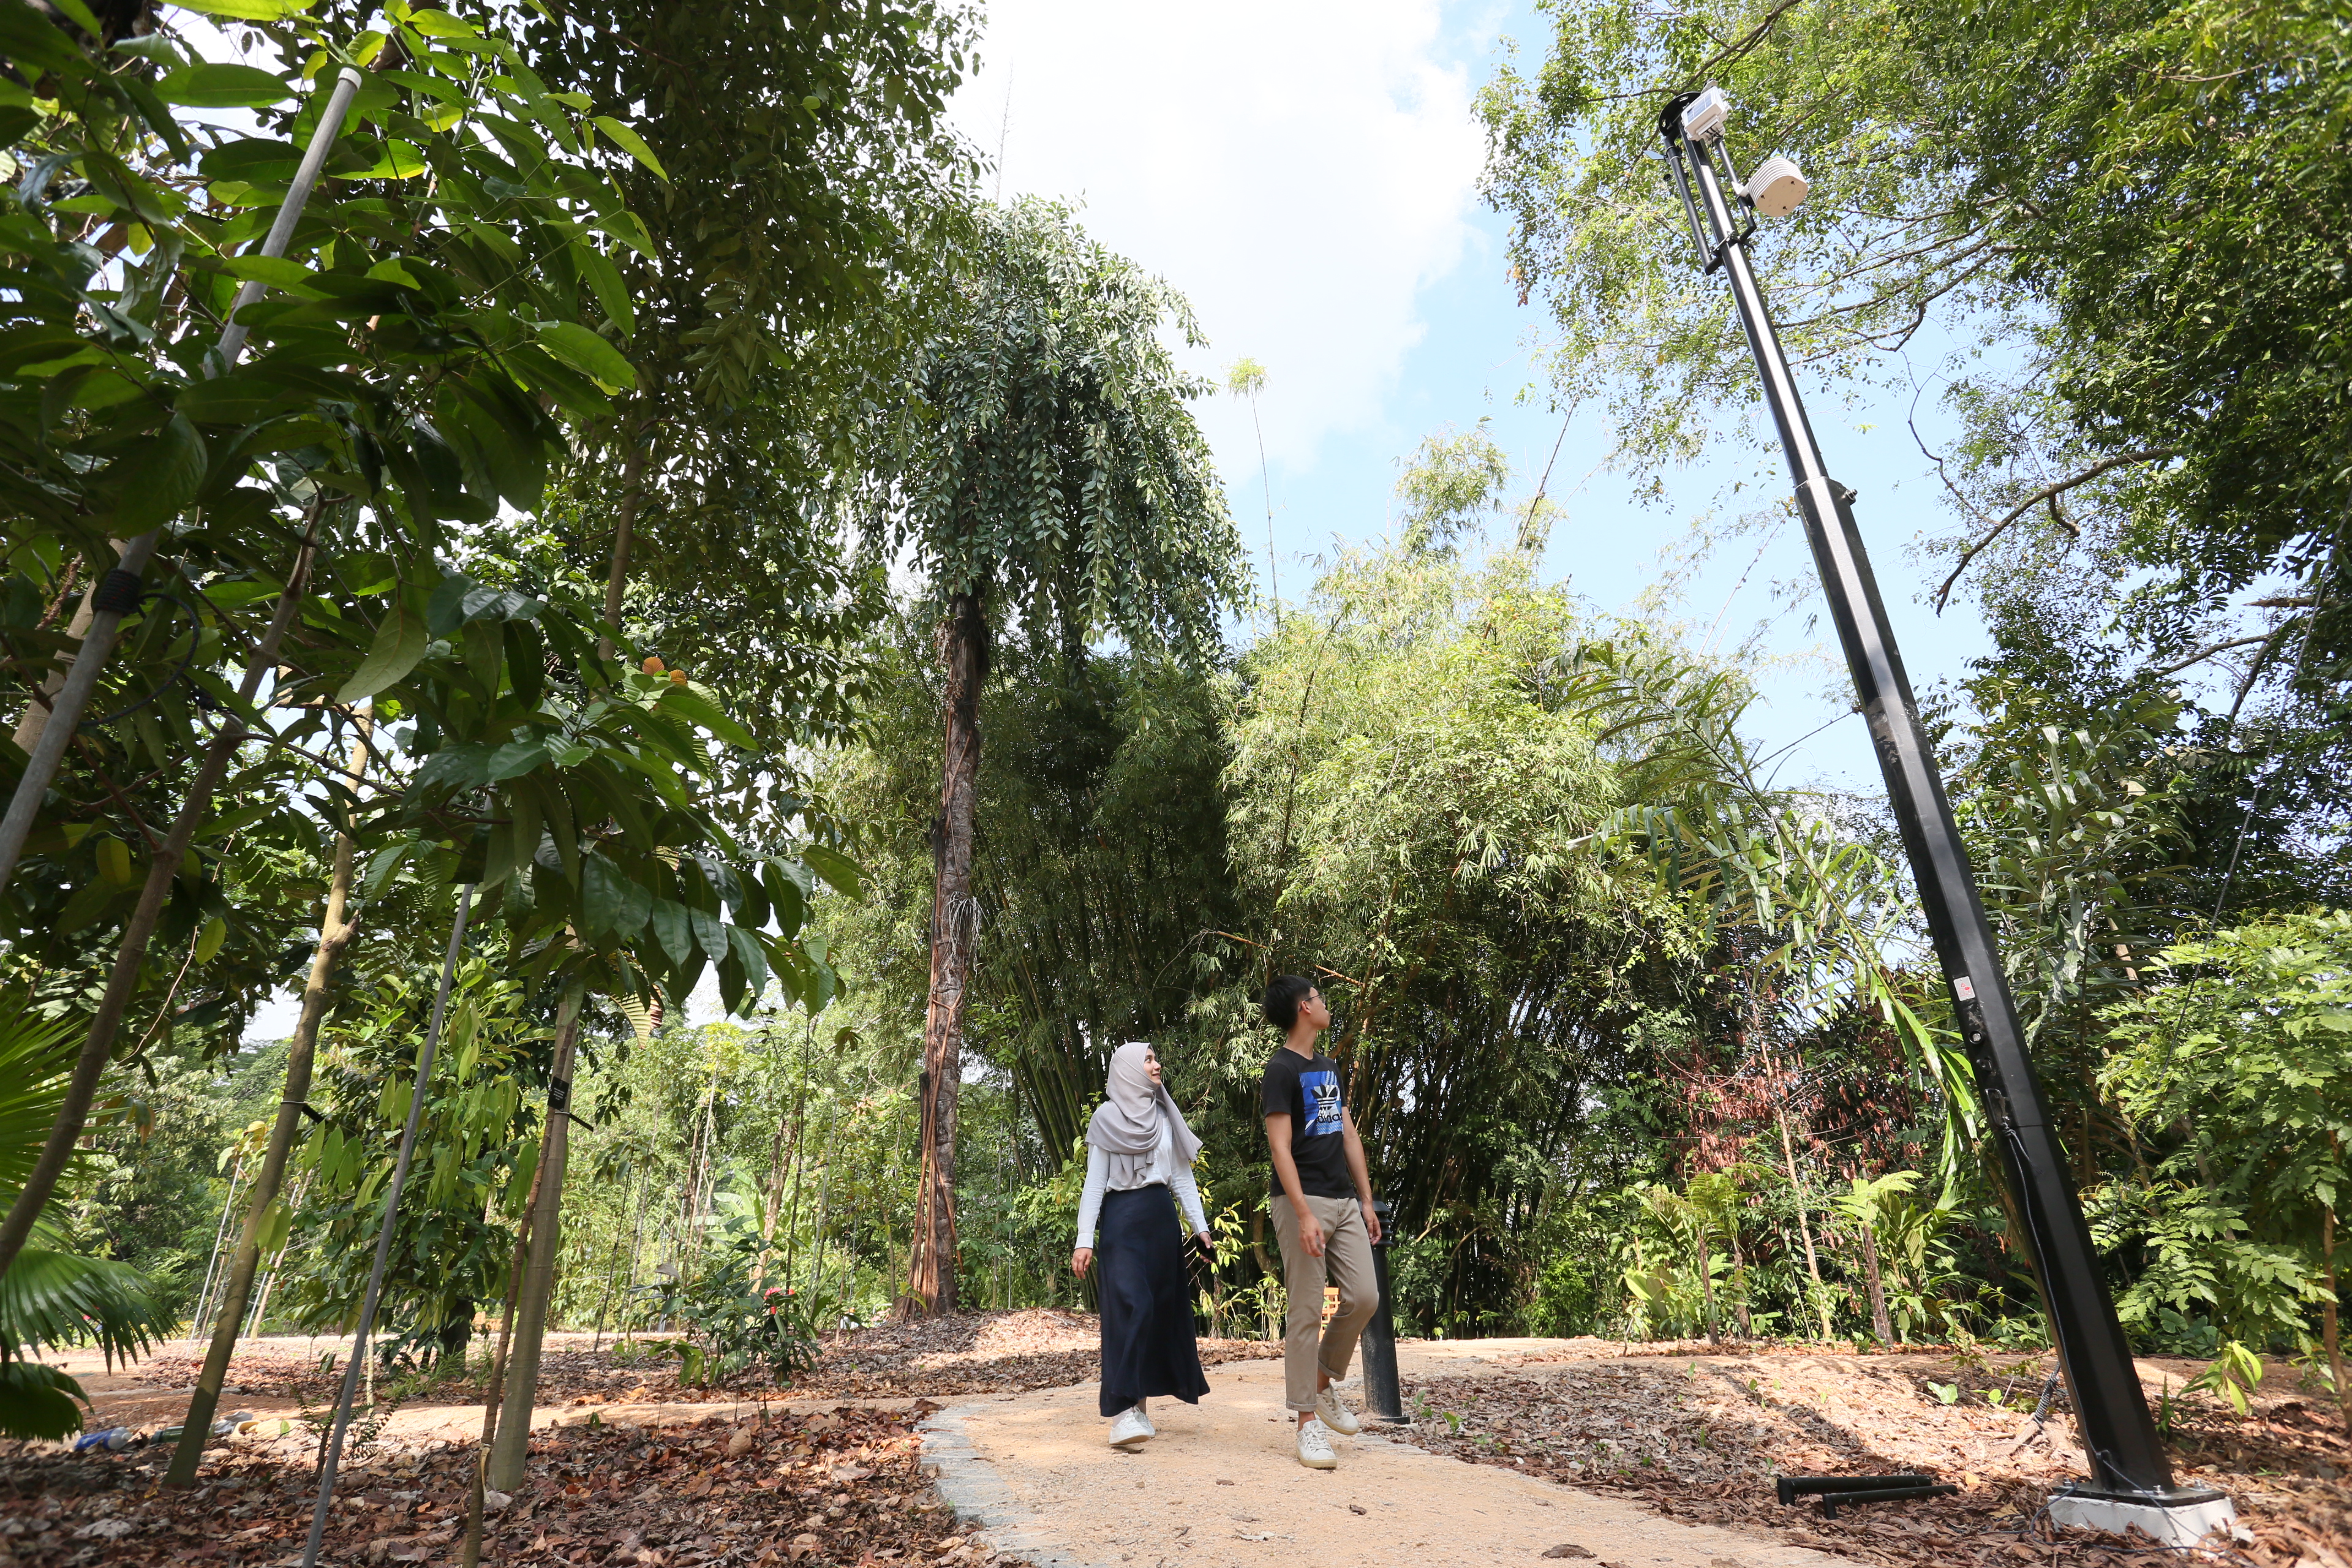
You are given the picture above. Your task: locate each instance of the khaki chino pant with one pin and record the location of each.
(1346, 1262)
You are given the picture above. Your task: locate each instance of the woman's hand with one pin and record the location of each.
(1208, 1248)
(1080, 1260)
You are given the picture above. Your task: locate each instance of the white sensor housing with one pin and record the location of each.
(1777, 187)
(1704, 115)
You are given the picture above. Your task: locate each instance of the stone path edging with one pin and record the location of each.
(970, 1485)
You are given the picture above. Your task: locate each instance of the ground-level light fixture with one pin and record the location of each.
(2131, 1480)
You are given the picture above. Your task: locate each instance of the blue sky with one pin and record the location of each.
(1305, 172)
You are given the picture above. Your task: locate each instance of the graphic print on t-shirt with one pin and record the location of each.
(1321, 1091)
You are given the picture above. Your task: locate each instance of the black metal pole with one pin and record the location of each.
(1381, 1396)
(2127, 1460)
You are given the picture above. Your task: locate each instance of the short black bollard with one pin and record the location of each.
(1382, 1399)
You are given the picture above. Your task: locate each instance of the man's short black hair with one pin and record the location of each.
(1282, 1000)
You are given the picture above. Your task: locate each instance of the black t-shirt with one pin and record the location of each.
(1307, 1091)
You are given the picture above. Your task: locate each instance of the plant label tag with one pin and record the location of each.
(1964, 988)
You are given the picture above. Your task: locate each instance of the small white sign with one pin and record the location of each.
(1965, 989)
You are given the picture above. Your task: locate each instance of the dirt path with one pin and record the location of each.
(1220, 1488)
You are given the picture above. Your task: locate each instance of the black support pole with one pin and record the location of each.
(2128, 1465)
(1382, 1398)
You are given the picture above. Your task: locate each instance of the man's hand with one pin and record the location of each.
(1371, 1221)
(1080, 1261)
(1310, 1231)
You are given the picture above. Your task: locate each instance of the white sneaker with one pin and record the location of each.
(1315, 1447)
(1334, 1414)
(1143, 1415)
(1131, 1430)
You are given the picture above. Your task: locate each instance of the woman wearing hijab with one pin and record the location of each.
(1139, 1150)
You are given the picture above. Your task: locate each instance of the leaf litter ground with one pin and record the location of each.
(839, 1486)
(1691, 1431)
(1699, 1435)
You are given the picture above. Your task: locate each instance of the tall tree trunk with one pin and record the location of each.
(334, 934)
(1707, 1288)
(2329, 1333)
(130, 958)
(36, 718)
(1880, 1323)
(955, 927)
(799, 1162)
(1812, 1262)
(513, 1448)
(2328, 1324)
(1739, 1287)
(469, 1549)
(771, 1209)
(220, 1240)
(624, 529)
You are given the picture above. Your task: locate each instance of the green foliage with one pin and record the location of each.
(1454, 480)
(1567, 1297)
(35, 1054)
(408, 253)
(2126, 195)
(37, 1401)
(415, 360)
(150, 1186)
(2070, 843)
(539, 236)
(1053, 471)
(800, 211)
(695, 1128)
(732, 1316)
(1100, 861)
(50, 1295)
(1410, 799)
(52, 1298)
(574, 800)
(2237, 1067)
(454, 1233)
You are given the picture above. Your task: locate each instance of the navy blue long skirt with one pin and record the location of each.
(1147, 1348)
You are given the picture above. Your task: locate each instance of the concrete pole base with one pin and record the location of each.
(2183, 1523)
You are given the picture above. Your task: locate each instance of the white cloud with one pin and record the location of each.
(1300, 169)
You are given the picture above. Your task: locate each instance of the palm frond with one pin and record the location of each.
(36, 1054)
(37, 1401)
(50, 1298)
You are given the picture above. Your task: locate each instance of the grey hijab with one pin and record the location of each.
(1126, 1125)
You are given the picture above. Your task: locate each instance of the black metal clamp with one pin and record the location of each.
(1844, 1491)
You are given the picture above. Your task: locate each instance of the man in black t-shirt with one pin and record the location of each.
(1322, 1204)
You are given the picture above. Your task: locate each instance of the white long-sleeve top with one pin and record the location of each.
(1163, 1168)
